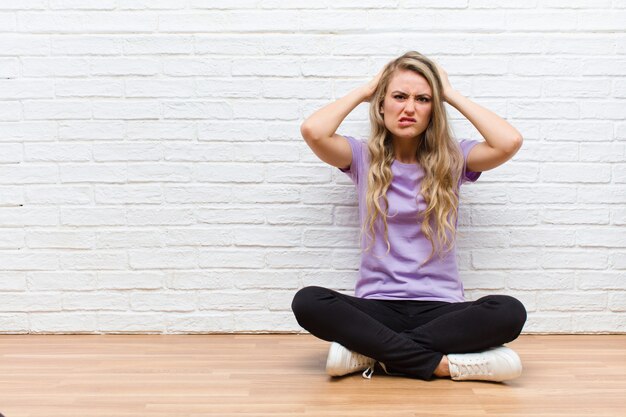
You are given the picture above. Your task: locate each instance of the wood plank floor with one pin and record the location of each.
(283, 375)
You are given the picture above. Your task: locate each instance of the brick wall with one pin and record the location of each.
(153, 179)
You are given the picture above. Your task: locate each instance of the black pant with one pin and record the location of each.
(410, 337)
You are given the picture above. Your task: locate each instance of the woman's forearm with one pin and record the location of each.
(325, 121)
(498, 133)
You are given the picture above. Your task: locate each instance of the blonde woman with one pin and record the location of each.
(409, 313)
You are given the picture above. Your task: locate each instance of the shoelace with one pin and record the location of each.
(473, 369)
(367, 374)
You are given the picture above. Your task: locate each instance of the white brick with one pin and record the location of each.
(159, 88)
(578, 173)
(28, 174)
(93, 260)
(600, 280)
(235, 88)
(260, 321)
(541, 20)
(152, 45)
(91, 130)
(206, 322)
(266, 194)
(128, 194)
(10, 111)
(128, 239)
(340, 280)
(618, 216)
(532, 280)
(617, 301)
(196, 280)
(9, 67)
(30, 302)
(231, 258)
(163, 172)
(235, 215)
(599, 194)
(85, 45)
(540, 193)
(570, 301)
(604, 237)
(543, 237)
(582, 88)
(98, 173)
(163, 259)
(264, 152)
(548, 323)
(54, 67)
(192, 152)
(82, 4)
(139, 130)
(27, 131)
(573, 259)
(198, 194)
(89, 301)
(239, 300)
(298, 174)
(576, 130)
(544, 110)
(196, 110)
(218, 173)
(599, 322)
(159, 216)
(89, 88)
(90, 22)
(12, 281)
(240, 131)
(93, 216)
(506, 259)
(61, 281)
(267, 236)
(26, 216)
(514, 87)
(604, 110)
(28, 261)
(163, 301)
(503, 216)
(198, 237)
(493, 4)
(51, 195)
(76, 322)
(334, 237)
(126, 110)
(11, 196)
(12, 238)
(298, 259)
(306, 215)
(603, 152)
(12, 89)
(190, 67)
(264, 67)
(57, 152)
(130, 323)
(15, 323)
(619, 173)
(591, 215)
(128, 280)
(24, 5)
(345, 259)
(605, 21)
(127, 152)
(46, 110)
(43, 239)
(11, 152)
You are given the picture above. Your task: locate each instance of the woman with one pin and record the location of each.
(409, 314)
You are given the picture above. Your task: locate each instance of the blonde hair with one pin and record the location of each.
(438, 154)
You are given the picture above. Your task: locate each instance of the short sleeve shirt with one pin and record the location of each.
(400, 274)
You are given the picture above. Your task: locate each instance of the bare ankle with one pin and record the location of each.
(443, 369)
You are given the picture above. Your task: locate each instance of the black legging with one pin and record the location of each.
(410, 337)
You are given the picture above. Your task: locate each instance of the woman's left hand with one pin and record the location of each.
(447, 87)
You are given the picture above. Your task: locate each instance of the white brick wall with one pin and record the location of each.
(153, 179)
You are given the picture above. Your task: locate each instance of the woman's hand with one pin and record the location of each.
(447, 87)
(370, 87)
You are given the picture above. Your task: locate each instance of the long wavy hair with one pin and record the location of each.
(438, 154)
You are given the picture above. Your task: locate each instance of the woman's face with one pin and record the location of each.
(407, 105)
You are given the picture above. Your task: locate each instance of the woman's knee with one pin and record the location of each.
(306, 302)
(510, 311)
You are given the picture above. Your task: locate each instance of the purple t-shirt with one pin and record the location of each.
(398, 274)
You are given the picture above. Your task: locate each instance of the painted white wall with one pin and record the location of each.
(153, 179)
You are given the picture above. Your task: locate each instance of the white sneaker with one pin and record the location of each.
(342, 361)
(495, 364)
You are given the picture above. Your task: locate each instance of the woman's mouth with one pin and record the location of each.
(406, 121)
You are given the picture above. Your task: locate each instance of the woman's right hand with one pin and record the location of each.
(371, 86)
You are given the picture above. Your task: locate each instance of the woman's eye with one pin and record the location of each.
(398, 97)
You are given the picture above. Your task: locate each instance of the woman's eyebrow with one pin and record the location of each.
(402, 92)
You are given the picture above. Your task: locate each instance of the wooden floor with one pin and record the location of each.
(283, 375)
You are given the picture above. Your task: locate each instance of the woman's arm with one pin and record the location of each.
(318, 130)
(502, 140)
